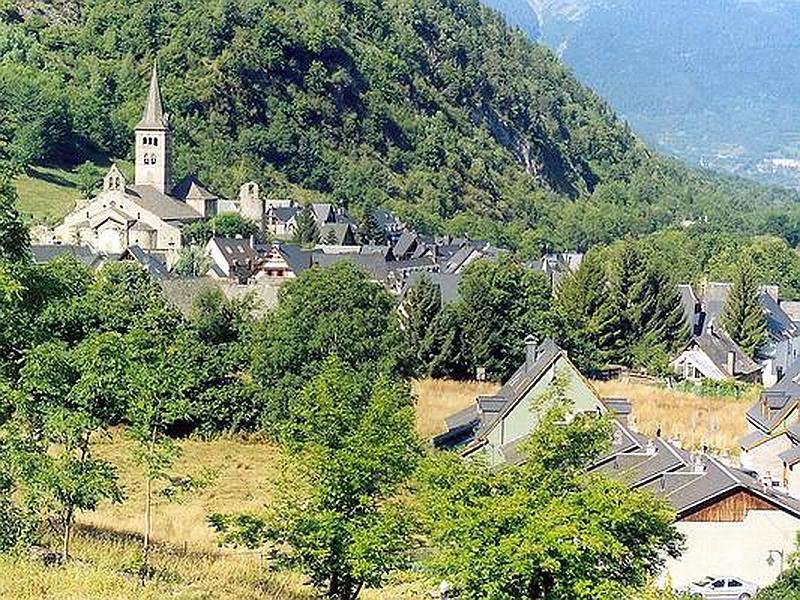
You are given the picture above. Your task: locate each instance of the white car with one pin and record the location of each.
(722, 588)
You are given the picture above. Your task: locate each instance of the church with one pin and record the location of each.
(150, 212)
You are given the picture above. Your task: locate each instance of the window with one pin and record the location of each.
(734, 583)
(155, 141)
(719, 583)
(147, 159)
(152, 159)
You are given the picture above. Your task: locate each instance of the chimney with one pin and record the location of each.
(698, 466)
(650, 449)
(731, 363)
(531, 351)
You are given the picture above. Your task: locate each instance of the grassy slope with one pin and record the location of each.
(46, 194)
(190, 565)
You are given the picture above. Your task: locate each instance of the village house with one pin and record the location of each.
(772, 445)
(744, 519)
(712, 354)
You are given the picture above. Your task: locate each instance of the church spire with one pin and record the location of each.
(153, 116)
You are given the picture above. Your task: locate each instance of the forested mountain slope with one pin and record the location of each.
(710, 81)
(433, 107)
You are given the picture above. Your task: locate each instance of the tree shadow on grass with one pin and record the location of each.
(50, 178)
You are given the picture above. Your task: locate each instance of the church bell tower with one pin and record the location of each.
(153, 142)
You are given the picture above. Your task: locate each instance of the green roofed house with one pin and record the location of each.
(495, 425)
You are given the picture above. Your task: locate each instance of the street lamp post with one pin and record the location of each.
(771, 560)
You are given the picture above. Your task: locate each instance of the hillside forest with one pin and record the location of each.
(434, 109)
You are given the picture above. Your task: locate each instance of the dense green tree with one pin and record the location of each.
(547, 529)
(89, 177)
(192, 262)
(502, 302)
(306, 230)
(742, 317)
(580, 300)
(339, 518)
(369, 232)
(229, 225)
(419, 309)
(336, 311)
(14, 239)
(67, 397)
(444, 347)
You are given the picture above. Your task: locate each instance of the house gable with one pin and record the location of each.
(522, 416)
(729, 508)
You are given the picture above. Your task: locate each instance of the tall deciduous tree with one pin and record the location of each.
(340, 519)
(369, 232)
(743, 317)
(67, 396)
(332, 311)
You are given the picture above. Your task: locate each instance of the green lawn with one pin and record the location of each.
(47, 193)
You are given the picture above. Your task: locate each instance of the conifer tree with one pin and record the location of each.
(419, 310)
(330, 238)
(580, 299)
(306, 231)
(742, 317)
(369, 232)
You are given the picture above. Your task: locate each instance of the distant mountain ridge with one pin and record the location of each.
(713, 82)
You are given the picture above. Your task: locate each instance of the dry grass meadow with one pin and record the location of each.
(190, 565)
(695, 420)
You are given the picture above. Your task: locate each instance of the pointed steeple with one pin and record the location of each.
(153, 116)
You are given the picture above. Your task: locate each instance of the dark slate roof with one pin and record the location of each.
(161, 205)
(298, 259)
(447, 282)
(709, 481)
(236, 251)
(716, 344)
(284, 213)
(691, 303)
(342, 233)
(618, 406)
(405, 245)
(641, 467)
(324, 213)
(791, 456)
(792, 310)
(776, 402)
(385, 251)
(508, 396)
(46, 252)
(751, 439)
(190, 188)
(153, 116)
(425, 262)
(373, 264)
(457, 260)
(461, 428)
(779, 324)
(183, 291)
(155, 263)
